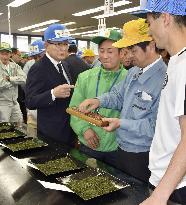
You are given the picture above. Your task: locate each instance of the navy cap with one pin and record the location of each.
(174, 7)
(57, 33)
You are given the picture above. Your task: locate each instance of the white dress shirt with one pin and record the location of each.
(55, 63)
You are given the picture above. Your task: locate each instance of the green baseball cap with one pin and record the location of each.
(24, 55)
(5, 47)
(108, 35)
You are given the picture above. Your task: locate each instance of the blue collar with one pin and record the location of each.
(150, 72)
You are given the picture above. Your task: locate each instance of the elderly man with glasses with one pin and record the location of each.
(48, 87)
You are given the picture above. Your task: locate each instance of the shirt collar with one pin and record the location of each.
(5, 66)
(149, 66)
(111, 72)
(153, 68)
(177, 54)
(53, 61)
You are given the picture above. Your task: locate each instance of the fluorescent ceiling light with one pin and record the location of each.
(38, 25)
(43, 29)
(101, 8)
(86, 32)
(137, 8)
(39, 30)
(73, 29)
(69, 23)
(90, 35)
(17, 3)
(91, 32)
(1, 14)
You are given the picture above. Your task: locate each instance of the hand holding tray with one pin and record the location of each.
(91, 117)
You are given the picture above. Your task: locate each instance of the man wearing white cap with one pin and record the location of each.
(48, 87)
(167, 21)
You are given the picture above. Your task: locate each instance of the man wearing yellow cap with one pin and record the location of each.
(95, 141)
(88, 56)
(11, 75)
(137, 98)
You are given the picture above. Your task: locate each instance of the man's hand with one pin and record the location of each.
(7, 78)
(114, 123)
(62, 91)
(88, 105)
(91, 138)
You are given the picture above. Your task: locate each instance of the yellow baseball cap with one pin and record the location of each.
(88, 52)
(134, 32)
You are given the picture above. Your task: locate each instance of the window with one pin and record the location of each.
(22, 43)
(82, 45)
(8, 39)
(94, 47)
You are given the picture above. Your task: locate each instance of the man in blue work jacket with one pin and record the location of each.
(137, 98)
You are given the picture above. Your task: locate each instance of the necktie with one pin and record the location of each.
(63, 73)
(60, 68)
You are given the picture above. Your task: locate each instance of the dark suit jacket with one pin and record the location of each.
(76, 66)
(52, 119)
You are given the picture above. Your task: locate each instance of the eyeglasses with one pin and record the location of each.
(61, 45)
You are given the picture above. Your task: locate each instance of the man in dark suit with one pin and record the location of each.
(76, 64)
(48, 87)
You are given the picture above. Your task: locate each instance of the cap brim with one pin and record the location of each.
(6, 49)
(62, 39)
(35, 53)
(126, 42)
(98, 39)
(140, 13)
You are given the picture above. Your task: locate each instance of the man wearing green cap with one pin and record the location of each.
(137, 97)
(11, 75)
(95, 141)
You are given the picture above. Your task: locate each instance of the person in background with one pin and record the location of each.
(167, 23)
(24, 58)
(137, 98)
(76, 65)
(16, 56)
(79, 54)
(126, 60)
(11, 75)
(96, 62)
(37, 50)
(48, 88)
(88, 56)
(94, 141)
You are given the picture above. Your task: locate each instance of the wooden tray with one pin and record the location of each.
(91, 117)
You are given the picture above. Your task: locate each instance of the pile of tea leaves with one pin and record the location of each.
(5, 128)
(28, 144)
(8, 135)
(92, 186)
(58, 165)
